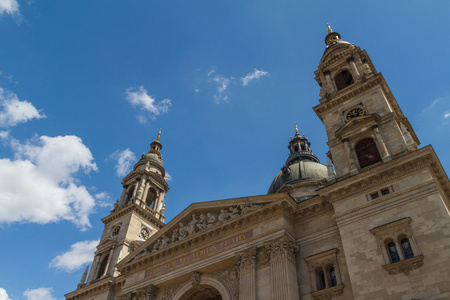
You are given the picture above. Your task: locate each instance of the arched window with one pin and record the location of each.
(333, 280)
(406, 247)
(102, 268)
(393, 254)
(130, 193)
(367, 152)
(320, 280)
(151, 197)
(343, 80)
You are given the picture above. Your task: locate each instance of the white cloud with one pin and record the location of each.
(39, 294)
(446, 115)
(4, 134)
(147, 104)
(39, 186)
(124, 159)
(13, 111)
(252, 76)
(168, 177)
(10, 7)
(4, 294)
(79, 255)
(222, 83)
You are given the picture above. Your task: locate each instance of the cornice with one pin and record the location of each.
(130, 208)
(95, 287)
(156, 176)
(349, 93)
(381, 174)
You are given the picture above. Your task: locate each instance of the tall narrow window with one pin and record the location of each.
(367, 152)
(406, 247)
(151, 197)
(333, 277)
(393, 254)
(343, 79)
(321, 280)
(102, 268)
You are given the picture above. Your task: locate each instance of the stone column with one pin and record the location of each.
(382, 145)
(123, 197)
(146, 187)
(355, 71)
(110, 257)
(329, 81)
(283, 268)
(247, 281)
(350, 156)
(93, 268)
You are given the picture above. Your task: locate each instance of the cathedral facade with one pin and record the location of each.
(376, 226)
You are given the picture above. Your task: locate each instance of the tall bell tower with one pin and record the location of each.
(137, 215)
(363, 122)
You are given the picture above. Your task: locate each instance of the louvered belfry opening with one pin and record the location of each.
(367, 152)
(343, 80)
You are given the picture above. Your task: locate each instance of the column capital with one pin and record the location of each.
(283, 247)
(247, 259)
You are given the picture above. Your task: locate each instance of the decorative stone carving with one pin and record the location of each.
(224, 215)
(195, 278)
(211, 220)
(282, 248)
(196, 225)
(166, 293)
(247, 259)
(404, 266)
(329, 293)
(263, 258)
(231, 275)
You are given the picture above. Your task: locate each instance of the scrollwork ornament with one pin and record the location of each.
(283, 248)
(195, 278)
(247, 259)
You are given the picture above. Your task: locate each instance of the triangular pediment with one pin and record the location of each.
(199, 219)
(356, 125)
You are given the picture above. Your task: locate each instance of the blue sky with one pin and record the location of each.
(86, 85)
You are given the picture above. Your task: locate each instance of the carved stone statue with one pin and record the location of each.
(211, 220)
(192, 226)
(202, 222)
(175, 235)
(234, 212)
(224, 215)
(182, 231)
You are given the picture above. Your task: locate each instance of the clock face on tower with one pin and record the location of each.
(115, 231)
(356, 112)
(144, 234)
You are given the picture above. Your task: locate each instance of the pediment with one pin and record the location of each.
(336, 52)
(200, 219)
(356, 125)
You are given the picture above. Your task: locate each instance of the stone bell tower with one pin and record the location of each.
(137, 215)
(362, 119)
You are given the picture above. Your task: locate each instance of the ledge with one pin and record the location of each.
(404, 266)
(328, 293)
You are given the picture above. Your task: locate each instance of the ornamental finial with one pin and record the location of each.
(159, 135)
(296, 129)
(329, 28)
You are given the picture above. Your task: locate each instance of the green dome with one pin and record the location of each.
(302, 165)
(299, 171)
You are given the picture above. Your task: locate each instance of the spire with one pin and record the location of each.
(156, 146)
(83, 278)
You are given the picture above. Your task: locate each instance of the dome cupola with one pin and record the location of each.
(302, 171)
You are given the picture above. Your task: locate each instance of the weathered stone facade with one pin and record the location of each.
(375, 227)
